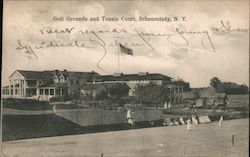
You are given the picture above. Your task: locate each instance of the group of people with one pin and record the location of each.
(180, 121)
(189, 121)
(195, 119)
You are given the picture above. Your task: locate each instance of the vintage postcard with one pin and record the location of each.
(109, 78)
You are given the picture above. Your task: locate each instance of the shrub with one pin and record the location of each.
(26, 104)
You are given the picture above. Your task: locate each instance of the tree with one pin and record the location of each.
(118, 90)
(152, 93)
(165, 93)
(102, 94)
(148, 93)
(233, 88)
(215, 82)
(228, 87)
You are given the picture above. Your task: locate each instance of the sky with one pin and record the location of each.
(195, 49)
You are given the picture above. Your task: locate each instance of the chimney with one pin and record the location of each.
(143, 73)
(64, 70)
(118, 74)
(56, 71)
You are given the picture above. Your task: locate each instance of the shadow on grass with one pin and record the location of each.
(34, 126)
(31, 126)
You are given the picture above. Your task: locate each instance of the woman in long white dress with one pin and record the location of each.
(220, 121)
(188, 124)
(129, 117)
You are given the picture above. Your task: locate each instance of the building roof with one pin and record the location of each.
(46, 75)
(130, 77)
(98, 85)
(36, 75)
(54, 85)
(86, 75)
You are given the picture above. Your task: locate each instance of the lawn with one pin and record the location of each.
(204, 140)
(80, 121)
(30, 126)
(238, 100)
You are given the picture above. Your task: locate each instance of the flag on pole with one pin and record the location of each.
(126, 50)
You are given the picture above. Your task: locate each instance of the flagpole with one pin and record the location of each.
(118, 58)
(1, 127)
(178, 93)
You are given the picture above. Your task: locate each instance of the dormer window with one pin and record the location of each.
(56, 79)
(61, 79)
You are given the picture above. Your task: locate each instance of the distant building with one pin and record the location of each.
(189, 98)
(141, 78)
(205, 97)
(212, 99)
(100, 90)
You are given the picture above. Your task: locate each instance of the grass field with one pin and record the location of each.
(238, 100)
(204, 140)
(22, 124)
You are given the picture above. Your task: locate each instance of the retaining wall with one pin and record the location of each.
(92, 117)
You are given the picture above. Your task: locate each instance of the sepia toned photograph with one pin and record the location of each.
(110, 78)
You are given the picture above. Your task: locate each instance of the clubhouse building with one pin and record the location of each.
(43, 85)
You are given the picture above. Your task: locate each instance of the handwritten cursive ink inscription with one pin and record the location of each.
(87, 38)
(49, 30)
(209, 47)
(27, 50)
(227, 27)
(179, 34)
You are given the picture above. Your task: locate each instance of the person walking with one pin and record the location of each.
(196, 116)
(129, 117)
(169, 105)
(221, 120)
(227, 105)
(54, 108)
(165, 105)
(188, 124)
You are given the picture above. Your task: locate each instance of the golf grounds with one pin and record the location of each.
(204, 140)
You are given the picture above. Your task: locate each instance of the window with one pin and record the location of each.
(6, 91)
(51, 92)
(57, 91)
(46, 91)
(61, 79)
(41, 91)
(77, 81)
(55, 79)
(64, 91)
(72, 82)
